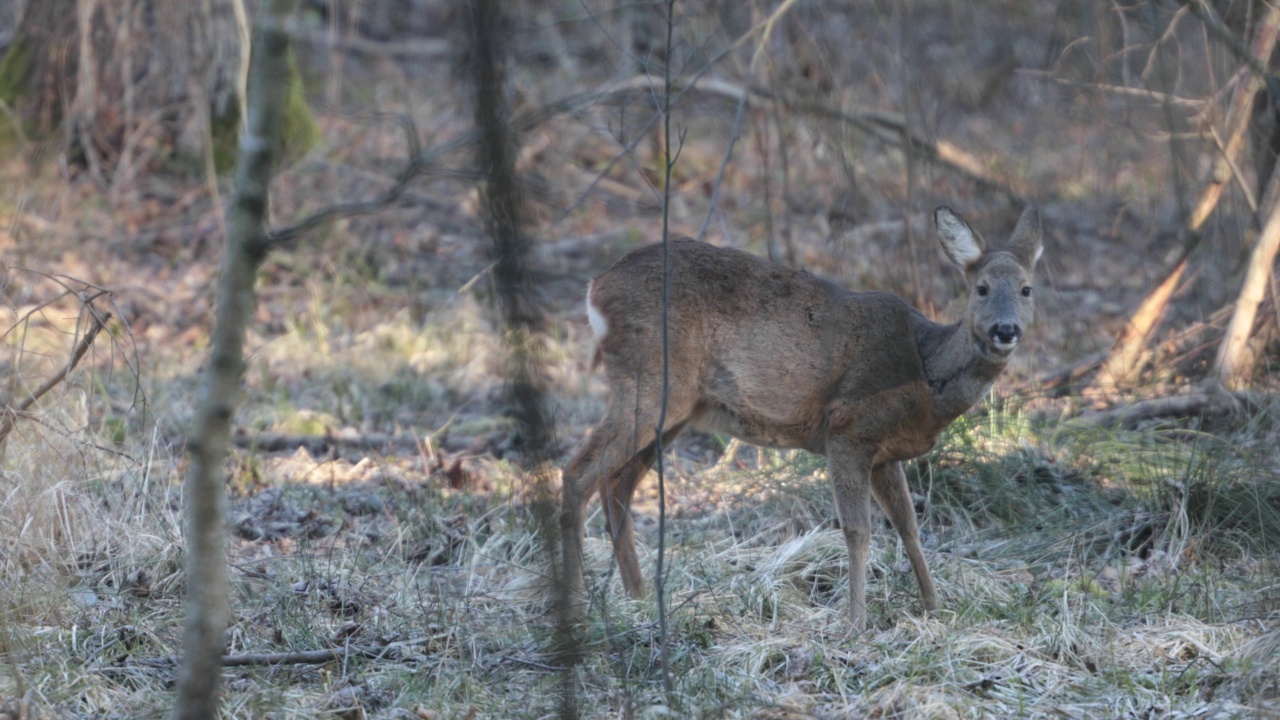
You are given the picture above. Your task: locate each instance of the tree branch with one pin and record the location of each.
(11, 412)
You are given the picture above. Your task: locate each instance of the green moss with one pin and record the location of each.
(225, 132)
(14, 70)
(298, 132)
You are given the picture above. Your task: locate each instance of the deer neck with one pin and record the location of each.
(958, 366)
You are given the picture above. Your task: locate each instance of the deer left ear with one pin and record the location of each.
(959, 241)
(1027, 241)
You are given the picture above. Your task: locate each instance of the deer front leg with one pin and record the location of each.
(849, 465)
(889, 485)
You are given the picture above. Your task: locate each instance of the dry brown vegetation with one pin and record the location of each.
(380, 508)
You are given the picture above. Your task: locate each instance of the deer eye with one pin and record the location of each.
(982, 290)
(1026, 291)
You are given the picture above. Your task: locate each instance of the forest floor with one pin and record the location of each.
(379, 509)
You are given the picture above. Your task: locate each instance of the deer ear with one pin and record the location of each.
(1027, 241)
(959, 241)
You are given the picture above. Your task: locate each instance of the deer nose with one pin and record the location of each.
(1004, 334)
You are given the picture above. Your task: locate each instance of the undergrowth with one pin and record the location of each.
(1084, 572)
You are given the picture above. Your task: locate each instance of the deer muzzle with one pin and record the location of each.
(1004, 336)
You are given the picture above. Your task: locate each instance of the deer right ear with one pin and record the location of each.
(959, 241)
(1027, 242)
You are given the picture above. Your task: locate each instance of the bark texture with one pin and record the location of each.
(522, 308)
(504, 213)
(1234, 363)
(207, 591)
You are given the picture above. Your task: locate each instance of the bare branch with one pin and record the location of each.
(1215, 25)
(1128, 350)
(1156, 97)
(12, 412)
(285, 237)
(765, 33)
(417, 49)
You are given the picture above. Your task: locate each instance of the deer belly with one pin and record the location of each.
(906, 445)
(755, 428)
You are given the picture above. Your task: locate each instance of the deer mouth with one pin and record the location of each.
(995, 349)
(1003, 347)
(1004, 337)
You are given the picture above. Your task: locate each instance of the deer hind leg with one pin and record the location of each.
(611, 462)
(616, 498)
(889, 485)
(601, 456)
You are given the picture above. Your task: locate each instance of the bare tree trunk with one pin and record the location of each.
(39, 68)
(1123, 362)
(1126, 357)
(79, 49)
(522, 309)
(1234, 365)
(207, 591)
(504, 210)
(100, 67)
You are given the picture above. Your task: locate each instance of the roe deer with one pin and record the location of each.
(783, 359)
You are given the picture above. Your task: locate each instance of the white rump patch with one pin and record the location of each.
(598, 324)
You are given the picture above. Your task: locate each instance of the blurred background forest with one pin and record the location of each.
(1104, 529)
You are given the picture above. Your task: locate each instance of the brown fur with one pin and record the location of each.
(781, 358)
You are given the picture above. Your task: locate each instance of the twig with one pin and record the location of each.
(11, 412)
(892, 128)
(1237, 46)
(667, 162)
(1154, 96)
(884, 126)
(1235, 169)
(286, 236)
(417, 49)
(421, 162)
(769, 24)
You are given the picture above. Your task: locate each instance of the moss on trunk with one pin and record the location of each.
(297, 134)
(38, 71)
(14, 70)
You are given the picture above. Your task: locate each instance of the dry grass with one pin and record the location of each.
(1041, 619)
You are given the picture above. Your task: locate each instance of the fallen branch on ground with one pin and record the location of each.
(1178, 406)
(302, 657)
(312, 657)
(320, 444)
